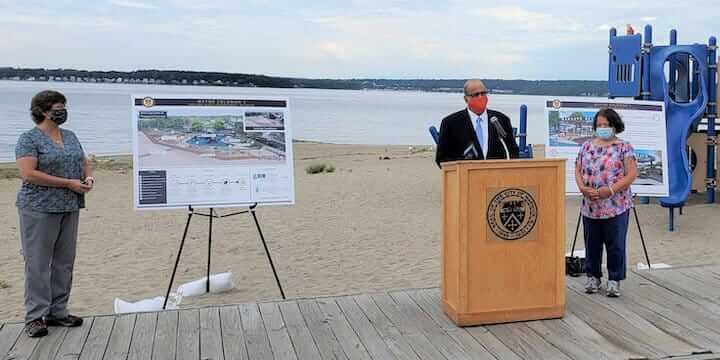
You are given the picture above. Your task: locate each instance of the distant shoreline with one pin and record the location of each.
(437, 91)
(221, 79)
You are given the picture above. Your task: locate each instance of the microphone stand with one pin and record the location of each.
(507, 153)
(501, 134)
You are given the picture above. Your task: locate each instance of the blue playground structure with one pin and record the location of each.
(638, 70)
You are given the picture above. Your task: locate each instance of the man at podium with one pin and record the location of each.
(476, 132)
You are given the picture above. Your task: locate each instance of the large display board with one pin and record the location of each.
(211, 151)
(570, 125)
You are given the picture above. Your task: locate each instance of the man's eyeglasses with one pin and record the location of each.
(479, 93)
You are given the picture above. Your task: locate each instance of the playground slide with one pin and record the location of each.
(678, 125)
(680, 117)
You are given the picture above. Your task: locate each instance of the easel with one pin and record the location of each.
(213, 215)
(637, 221)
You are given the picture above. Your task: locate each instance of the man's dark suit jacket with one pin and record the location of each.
(457, 134)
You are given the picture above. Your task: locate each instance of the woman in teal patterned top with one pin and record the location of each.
(56, 175)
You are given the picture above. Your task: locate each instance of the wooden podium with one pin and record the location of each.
(503, 236)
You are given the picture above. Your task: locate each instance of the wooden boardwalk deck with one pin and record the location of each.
(671, 313)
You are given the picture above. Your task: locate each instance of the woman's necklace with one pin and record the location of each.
(57, 140)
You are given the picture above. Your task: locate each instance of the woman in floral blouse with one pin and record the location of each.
(604, 169)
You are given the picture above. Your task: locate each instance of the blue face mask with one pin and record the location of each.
(605, 133)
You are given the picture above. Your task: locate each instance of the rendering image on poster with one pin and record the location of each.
(570, 125)
(211, 151)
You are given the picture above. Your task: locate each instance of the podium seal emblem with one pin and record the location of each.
(148, 102)
(512, 214)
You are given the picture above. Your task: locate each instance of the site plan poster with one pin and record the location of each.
(211, 151)
(570, 125)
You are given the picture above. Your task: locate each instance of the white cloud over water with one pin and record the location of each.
(559, 39)
(134, 4)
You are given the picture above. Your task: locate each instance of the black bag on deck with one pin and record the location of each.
(575, 265)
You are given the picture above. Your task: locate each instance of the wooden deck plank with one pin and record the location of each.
(710, 282)
(298, 330)
(369, 336)
(8, 336)
(662, 313)
(165, 343)
(646, 341)
(714, 269)
(696, 283)
(492, 343)
(211, 346)
(709, 356)
(280, 342)
(50, 344)
(703, 273)
(676, 283)
(344, 333)
(480, 333)
(672, 304)
(578, 340)
(23, 348)
(396, 341)
(74, 340)
(120, 337)
(98, 339)
(525, 342)
(707, 273)
(431, 306)
(669, 335)
(438, 337)
(141, 344)
(232, 334)
(327, 344)
(258, 344)
(673, 314)
(188, 335)
(408, 327)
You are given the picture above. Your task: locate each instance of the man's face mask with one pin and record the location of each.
(478, 102)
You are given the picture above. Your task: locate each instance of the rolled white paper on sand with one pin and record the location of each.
(218, 283)
(642, 266)
(154, 304)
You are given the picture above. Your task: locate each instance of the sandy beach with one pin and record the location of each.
(372, 224)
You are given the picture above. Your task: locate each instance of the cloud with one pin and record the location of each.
(59, 24)
(514, 14)
(354, 38)
(334, 49)
(133, 4)
(521, 18)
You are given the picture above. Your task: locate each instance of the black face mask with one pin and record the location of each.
(59, 116)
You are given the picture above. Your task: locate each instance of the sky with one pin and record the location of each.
(403, 39)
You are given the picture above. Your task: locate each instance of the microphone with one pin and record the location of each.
(498, 128)
(470, 153)
(501, 135)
